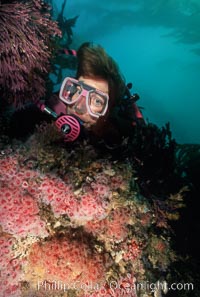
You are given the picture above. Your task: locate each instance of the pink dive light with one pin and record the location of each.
(67, 124)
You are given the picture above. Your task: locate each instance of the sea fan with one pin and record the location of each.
(26, 34)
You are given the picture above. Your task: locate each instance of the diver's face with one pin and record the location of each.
(79, 108)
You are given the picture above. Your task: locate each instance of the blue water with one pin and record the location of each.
(156, 44)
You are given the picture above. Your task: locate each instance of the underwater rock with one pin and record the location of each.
(79, 227)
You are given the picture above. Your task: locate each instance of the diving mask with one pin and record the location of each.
(73, 90)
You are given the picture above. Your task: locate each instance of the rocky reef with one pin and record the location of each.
(74, 223)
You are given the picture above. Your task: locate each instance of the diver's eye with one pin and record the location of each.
(98, 102)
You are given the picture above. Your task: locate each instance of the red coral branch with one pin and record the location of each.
(26, 32)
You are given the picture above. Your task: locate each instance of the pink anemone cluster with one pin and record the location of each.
(19, 211)
(58, 238)
(11, 274)
(67, 261)
(82, 208)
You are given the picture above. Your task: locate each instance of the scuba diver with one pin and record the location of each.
(97, 102)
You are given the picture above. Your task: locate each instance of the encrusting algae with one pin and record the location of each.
(74, 223)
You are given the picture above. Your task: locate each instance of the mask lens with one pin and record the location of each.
(97, 103)
(71, 91)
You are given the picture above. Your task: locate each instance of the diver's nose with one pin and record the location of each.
(80, 106)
